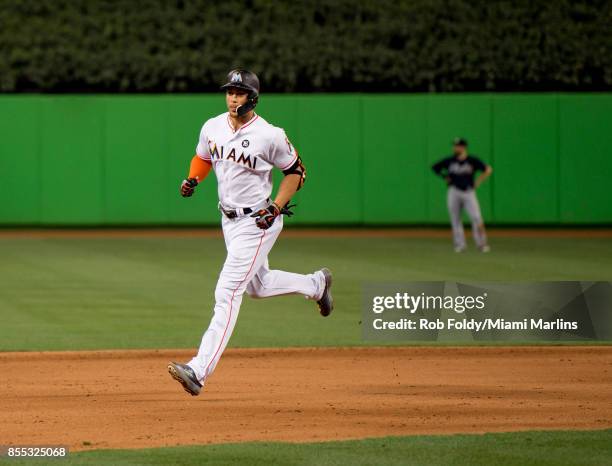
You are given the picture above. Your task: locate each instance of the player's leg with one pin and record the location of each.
(478, 229)
(454, 203)
(248, 249)
(267, 283)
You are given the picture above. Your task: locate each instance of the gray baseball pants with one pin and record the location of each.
(458, 200)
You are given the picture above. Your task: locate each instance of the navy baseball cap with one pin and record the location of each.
(460, 142)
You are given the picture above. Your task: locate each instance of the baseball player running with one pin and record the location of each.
(458, 172)
(242, 149)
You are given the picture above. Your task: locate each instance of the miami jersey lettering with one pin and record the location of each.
(243, 160)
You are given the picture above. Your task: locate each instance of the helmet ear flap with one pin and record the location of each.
(253, 98)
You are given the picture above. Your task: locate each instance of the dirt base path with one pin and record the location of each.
(125, 399)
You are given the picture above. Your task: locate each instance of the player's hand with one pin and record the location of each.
(188, 187)
(264, 218)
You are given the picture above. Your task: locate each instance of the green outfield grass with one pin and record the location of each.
(158, 292)
(587, 448)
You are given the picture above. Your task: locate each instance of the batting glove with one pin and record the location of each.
(264, 218)
(188, 187)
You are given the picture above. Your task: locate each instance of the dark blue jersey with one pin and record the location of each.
(460, 172)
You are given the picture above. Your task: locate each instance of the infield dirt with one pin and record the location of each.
(126, 399)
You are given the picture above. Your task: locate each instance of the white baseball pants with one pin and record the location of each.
(246, 269)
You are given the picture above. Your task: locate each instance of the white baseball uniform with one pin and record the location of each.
(243, 161)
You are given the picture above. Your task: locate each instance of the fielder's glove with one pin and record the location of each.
(188, 187)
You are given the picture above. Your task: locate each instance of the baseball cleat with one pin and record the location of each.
(326, 303)
(485, 248)
(184, 375)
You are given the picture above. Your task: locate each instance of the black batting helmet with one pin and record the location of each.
(248, 81)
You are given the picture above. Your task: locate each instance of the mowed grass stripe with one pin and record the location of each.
(115, 293)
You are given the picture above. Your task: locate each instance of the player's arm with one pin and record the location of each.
(441, 169)
(294, 179)
(286, 190)
(486, 172)
(200, 165)
(286, 158)
(198, 171)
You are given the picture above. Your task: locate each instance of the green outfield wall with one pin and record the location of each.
(111, 160)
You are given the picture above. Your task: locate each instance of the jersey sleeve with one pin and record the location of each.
(282, 153)
(202, 150)
(478, 164)
(441, 167)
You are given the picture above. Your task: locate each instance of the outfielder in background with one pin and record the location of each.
(458, 171)
(242, 149)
